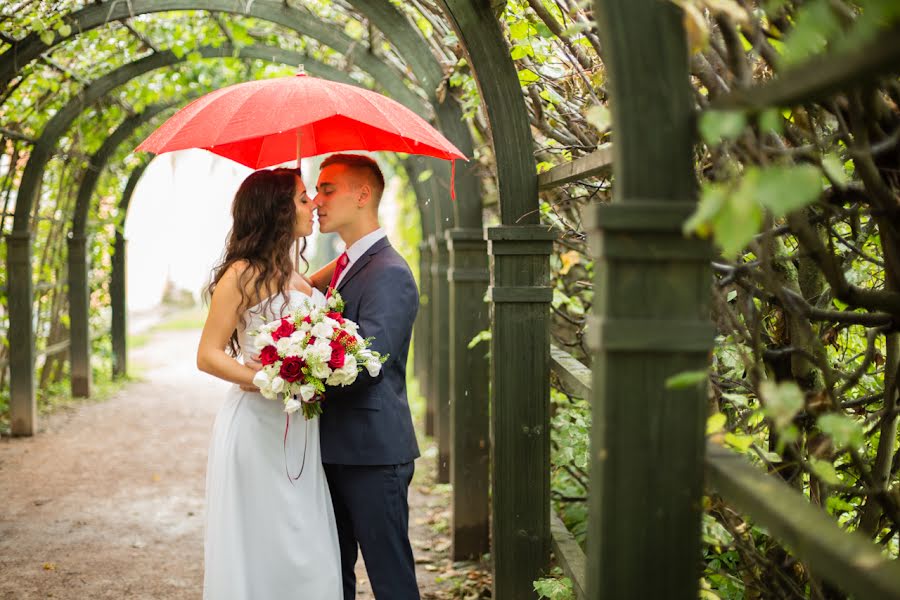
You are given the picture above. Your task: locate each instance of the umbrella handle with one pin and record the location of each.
(298, 149)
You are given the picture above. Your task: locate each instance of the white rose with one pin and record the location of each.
(346, 374)
(264, 339)
(277, 384)
(320, 370)
(261, 380)
(322, 331)
(318, 352)
(373, 366)
(283, 346)
(292, 405)
(307, 391)
(336, 378)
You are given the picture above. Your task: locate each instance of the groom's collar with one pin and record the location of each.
(356, 265)
(360, 246)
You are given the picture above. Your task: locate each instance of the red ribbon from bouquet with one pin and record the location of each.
(287, 426)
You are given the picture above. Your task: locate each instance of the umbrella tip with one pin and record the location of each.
(301, 70)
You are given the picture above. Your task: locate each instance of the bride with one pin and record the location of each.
(268, 536)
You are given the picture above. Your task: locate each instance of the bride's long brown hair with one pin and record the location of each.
(261, 235)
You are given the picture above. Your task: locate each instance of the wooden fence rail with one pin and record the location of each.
(846, 559)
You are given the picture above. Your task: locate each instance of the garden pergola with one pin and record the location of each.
(492, 419)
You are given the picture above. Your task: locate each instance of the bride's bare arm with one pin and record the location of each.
(321, 278)
(220, 323)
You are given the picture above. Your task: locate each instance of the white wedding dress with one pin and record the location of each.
(268, 537)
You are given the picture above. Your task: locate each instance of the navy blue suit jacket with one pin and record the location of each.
(368, 422)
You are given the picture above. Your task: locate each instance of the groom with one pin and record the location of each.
(367, 437)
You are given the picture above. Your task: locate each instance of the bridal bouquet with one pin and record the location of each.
(308, 349)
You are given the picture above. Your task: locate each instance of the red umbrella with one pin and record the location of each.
(268, 122)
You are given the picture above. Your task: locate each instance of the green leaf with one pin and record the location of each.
(554, 589)
(521, 51)
(740, 442)
(783, 401)
(737, 221)
(844, 431)
(825, 471)
(686, 379)
(425, 175)
(719, 125)
(64, 30)
(713, 533)
(575, 307)
(770, 120)
(519, 30)
(784, 189)
(715, 423)
(559, 298)
(47, 37)
(598, 116)
(527, 77)
(834, 168)
(711, 201)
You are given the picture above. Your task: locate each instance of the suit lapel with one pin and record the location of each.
(363, 260)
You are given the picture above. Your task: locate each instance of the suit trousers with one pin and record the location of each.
(372, 513)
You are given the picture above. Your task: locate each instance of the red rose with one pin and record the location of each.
(345, 339)
(336, 316)
(284, 330)
(292, 369)
(268, 355)
(307, 319)
(337, 355)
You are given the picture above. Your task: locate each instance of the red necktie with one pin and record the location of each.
(342, 262)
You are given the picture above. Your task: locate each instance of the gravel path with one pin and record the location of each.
(107, 501)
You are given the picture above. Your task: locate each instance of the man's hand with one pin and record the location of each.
(256, 366)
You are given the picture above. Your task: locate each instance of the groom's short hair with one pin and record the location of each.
(362, 165)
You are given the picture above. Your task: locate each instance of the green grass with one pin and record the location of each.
(183, 320)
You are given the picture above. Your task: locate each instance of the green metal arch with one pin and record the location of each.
(79, 257)
(96, 15)
(99, 159)
(119, 325)
(384, 15)
(61, 121)
(404, 37)
(498, 82)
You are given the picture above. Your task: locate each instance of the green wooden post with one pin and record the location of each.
(520, 268)
(650, 319)
(79, 258)
(415, 166)
(520, 389)
(469, 415)
(79, 322)
(118, 283)
(117, 292)
(440, 358)
(20, 297)
(423, 335)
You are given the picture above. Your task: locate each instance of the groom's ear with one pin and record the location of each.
(365, 195)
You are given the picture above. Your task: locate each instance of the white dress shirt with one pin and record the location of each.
(357, 249)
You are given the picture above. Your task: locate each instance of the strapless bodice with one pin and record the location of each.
(258, 315)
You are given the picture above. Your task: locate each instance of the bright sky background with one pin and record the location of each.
(180, 215)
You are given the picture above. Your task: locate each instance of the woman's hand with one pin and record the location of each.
(256, 366)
